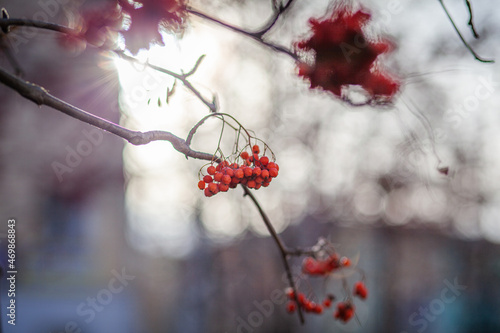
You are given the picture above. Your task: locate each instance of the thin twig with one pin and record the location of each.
(461, 37)
(202, 120)
(281, 246)
(40, 96)
(181, 77)
(257, 36)
(5, 23)
(471, 23)
(279, 10)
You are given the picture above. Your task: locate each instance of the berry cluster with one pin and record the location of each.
(254, 171)
(312, 266)
(308, 305)
(360, 290)
(344, 55)
(345, 311)
(323, 266)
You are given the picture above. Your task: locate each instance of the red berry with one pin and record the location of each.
(226, 179)
(345, 311)
(239, 173)
(201, 185)
(207, 192)
(248, 172)
(311, 266)
(211, 170)
(264, 160)
(212, 187)
(265, 174)
(244, 155)
(273, 172)
(256, 171)
(318, 309)
(291, 306)
(218, 176)
(256, 149)
(345, 262)
(327, 302)
(229, 172)
(289, 292)
(259, 180)
(223, 187)
(207, 179)
(309, 306)
(251, 183)
(332, 262)
(302, 298)
(360, 290)
(271, 165)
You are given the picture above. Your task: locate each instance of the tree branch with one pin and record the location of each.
(40, 96)
(283, 251)
(257, 36)
(6, 23)
(461, 37)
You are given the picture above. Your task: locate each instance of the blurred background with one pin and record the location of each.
(114, 237)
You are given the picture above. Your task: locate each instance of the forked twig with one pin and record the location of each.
(462, 37)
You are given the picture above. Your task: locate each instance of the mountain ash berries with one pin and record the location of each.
(345, 55)
(254, 171)
(323, 267)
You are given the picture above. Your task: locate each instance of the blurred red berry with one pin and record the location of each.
(360, 290)
(344, 55)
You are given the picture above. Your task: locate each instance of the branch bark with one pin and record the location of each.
(41, 96)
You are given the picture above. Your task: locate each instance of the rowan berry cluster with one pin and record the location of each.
(308, 305)
(254, 171)
(344, 55)
(312, 266)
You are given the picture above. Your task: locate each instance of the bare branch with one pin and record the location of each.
(6, 23)
(257, 36)
(461, 37)
(40, 96)
(281, 246)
